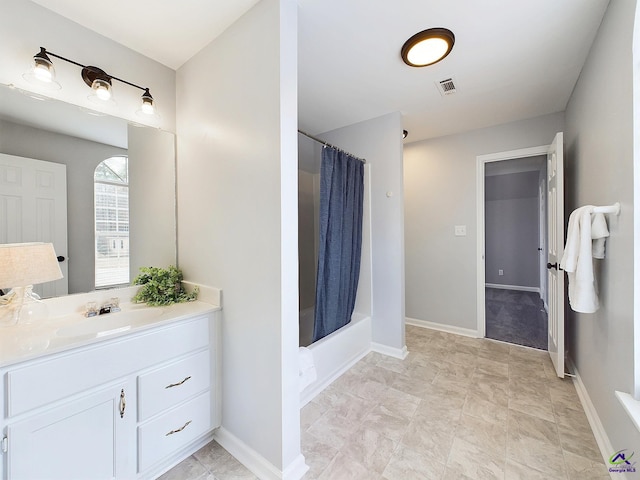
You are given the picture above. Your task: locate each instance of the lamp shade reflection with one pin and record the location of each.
(23, 265)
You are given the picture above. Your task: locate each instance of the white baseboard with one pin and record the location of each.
(400, 353)
(467, 332)
(255, 462)
(602, 439)
(513, 287)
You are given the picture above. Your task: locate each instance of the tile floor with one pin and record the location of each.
(455, 408)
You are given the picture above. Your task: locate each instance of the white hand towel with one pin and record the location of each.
(599, 232)
(577, 260)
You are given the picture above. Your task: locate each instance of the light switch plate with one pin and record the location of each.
(460, 230)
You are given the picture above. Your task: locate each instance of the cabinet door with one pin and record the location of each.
(80, 439)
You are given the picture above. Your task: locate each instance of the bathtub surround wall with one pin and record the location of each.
(238, 225)
(308, 197)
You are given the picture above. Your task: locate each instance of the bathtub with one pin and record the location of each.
(336, 353)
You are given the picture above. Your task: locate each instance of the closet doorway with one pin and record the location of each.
(552, 249)
(515, 251)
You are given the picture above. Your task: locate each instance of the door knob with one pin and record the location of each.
(61, 258)
(552, 265)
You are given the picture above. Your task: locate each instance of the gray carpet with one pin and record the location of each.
(516, 317)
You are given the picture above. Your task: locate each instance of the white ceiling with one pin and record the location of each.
(170, 32)
(512, 59)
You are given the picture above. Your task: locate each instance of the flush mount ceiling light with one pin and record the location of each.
(100, 81)
(428, 47)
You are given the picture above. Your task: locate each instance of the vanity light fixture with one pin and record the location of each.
(96, 78)
(428, 47)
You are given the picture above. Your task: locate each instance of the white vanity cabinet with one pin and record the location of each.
(84, 438)
(125, 407)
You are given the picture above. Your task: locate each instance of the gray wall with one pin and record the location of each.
(512, 229)
(81, 158)
(599, 170)
(238, 220)
(440, 192)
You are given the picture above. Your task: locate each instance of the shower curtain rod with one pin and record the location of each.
(326, 144)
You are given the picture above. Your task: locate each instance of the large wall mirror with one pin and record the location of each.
(59, 133)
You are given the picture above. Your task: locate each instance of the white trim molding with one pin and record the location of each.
(255, 462)
(400, 353)
(467, 332)
(602, 439)
(481, 160)
(518, 288)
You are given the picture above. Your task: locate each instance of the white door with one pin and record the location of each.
(555, 246)
(33, 208)
(542, 249)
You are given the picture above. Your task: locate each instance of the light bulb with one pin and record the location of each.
(102, 89)
(428, 51)
(147, 107)
(43, 72)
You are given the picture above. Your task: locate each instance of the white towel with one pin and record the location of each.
(585, 240)
(307, 368)
(599, 232)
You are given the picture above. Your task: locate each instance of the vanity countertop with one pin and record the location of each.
(64, 331)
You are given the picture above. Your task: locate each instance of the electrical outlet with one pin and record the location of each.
(460, 230)
(500, 272)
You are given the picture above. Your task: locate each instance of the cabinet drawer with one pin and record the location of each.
(175, 429)
(60, 376)
(173, 383)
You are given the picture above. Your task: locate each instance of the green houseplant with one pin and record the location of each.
(162, 286)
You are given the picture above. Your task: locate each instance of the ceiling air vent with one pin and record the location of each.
(446, 86)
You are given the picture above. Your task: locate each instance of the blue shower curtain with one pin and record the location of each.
(341, 195)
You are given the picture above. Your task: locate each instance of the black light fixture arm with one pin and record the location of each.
(47, 52)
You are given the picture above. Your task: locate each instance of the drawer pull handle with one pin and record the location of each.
(179, 429)
(179, 383)
(123, 403)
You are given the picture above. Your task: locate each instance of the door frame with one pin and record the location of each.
(481, 161)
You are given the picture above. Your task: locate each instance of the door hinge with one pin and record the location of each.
(5, 444)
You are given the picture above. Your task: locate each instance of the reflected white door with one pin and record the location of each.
(33, 208)
(555, 249)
